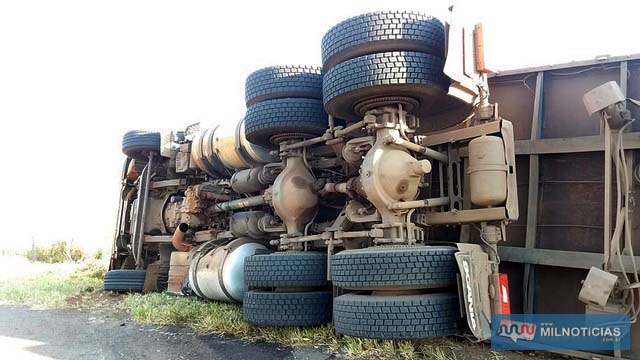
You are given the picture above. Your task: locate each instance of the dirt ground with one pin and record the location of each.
(73, 334)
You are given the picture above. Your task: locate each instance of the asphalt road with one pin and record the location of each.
(72, 334)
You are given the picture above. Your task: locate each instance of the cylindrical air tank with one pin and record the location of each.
(487, 171)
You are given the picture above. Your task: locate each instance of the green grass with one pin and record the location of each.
(226, 319)
(219, 318)
(436, 349)
(47, 290)
(51, 290)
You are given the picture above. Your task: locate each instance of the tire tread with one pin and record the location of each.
(411, 266)
(286, 269)
(383, 69)
(384, 26)
(396, 317)
(287, 309)
(290, 115)
(284, 81)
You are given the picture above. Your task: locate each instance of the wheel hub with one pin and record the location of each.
(408, 103)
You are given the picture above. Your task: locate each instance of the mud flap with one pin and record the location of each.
(474, 285)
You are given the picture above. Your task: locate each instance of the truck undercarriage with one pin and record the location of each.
(370, 193)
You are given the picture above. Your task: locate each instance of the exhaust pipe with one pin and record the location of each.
(178, 238)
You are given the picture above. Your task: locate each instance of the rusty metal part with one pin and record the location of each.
(196, 197)
(478, 42)
(177, 240)
(295, 199)
(190, 208)
(132, 173)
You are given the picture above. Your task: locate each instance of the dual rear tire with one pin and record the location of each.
(388, 58)
(400, 292)
(284, 102)
(290, 289)
(287, 289)
(370, 61)
(396, 316)
(266, 308)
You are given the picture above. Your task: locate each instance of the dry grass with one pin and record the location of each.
(49, 289)
(226, 319)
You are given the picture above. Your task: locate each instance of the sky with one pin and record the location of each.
(75, 75)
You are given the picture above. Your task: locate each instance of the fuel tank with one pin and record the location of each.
(216, 272)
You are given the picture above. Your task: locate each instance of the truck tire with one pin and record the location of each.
(286, 269)
(409, 267)
(268, 121)
(287, 308)
(414, 75)
(124, 280)
(278, 82)
(396, 317)
(382, 32)
(137, 144)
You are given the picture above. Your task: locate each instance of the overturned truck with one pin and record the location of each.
(329, 201)
(371, 192)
